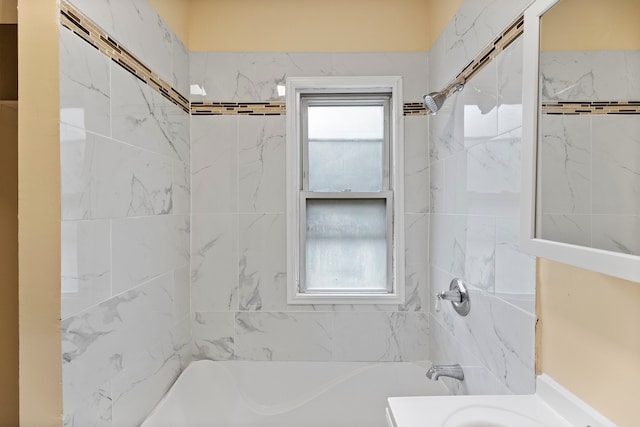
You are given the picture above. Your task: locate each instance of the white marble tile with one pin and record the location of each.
(214, 336)
(144, 118)
(137, 27)
(262, 264)
(574, 229)
(181, 294)
(127, 181)
(456, 198)
(446, 130)
(509, 64)
(446, 350)
(137, 389)
(515, 271)
(590, 76)
(103, 178)
(180, 188)
(447, 242)
(618, 233)
(480, 245)
(261, 164)
(86, 265)
(616, 168)
(380, 336)
(566, 164)
(75, 172)
(85, 94)
(214, 262)
(180, 66)
(214, 163)
(92, 409)
(284, 336)
(501, 336)
(104, 340)
(146, 247)
(437, 187)
(480, 106)
(179, 342)
(252, 76)
(439, 74)
(416, 164)
(98, 11)
(412, 67)
(492, 181)
(416, 262)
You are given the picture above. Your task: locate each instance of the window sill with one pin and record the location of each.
(345, 299)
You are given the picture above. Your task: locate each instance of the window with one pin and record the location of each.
(344, 190)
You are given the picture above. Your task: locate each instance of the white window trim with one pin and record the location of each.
(349, 84)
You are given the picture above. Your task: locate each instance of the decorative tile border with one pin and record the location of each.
(499, 44)
(96, 37)
(271, 108)
(590, 107)
(414, 109)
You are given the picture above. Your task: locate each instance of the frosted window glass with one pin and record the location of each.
(346, 245)
(346, 148)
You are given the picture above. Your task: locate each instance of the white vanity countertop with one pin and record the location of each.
(522, 411)
(551, 406)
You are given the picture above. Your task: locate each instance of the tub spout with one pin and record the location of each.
(452, 371)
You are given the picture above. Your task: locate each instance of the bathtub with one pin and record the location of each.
(289, 394)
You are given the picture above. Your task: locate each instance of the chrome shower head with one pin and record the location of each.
(434, 101)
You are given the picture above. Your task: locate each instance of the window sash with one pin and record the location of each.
(373, 99)
(387, 196)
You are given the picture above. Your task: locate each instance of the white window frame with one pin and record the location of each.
(297, 87)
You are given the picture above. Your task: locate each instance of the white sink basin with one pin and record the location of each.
(551, 406)
(490, 416)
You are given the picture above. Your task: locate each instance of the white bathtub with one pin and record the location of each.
(288, 394)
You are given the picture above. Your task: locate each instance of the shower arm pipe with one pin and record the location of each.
(454, 87)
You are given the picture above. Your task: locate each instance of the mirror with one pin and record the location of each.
(582, 130)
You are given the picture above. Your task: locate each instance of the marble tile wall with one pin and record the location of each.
(585, 157)
(475, 149)
(238, 274)
(125, 165)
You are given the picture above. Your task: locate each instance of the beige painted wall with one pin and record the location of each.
(589, 337)
(307, 25)
(9, 263)
(591, 25)
(8, 11)
(39, 214)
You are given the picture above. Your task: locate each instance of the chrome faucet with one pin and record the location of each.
(452, 371)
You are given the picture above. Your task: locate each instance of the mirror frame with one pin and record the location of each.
(615, 264)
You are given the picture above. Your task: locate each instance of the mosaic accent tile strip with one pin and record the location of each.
(96, 37)
(590, 107)
(500, 43)
(272, 108)
(414, 109)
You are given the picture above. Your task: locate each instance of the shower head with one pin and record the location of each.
(434, 101)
